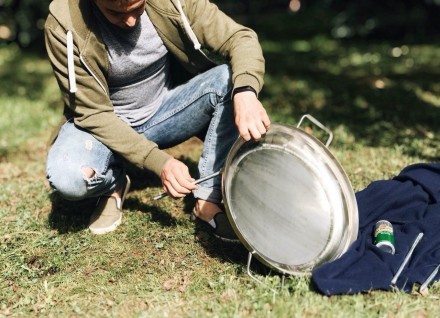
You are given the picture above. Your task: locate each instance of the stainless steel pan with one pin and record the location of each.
(289, 200)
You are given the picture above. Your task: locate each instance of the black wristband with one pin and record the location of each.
(243, 89)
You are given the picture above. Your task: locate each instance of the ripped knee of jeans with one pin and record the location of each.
(88, 173)
(74, 184)
(92, 177)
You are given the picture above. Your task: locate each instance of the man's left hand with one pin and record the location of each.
(250, 116)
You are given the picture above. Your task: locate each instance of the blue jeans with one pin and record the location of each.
(201, 105)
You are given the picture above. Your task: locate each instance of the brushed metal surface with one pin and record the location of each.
(289, 200)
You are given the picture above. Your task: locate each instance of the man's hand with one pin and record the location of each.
(176, 180)
(250, 116)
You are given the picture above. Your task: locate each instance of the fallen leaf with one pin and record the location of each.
(10, 218)
(168, 284)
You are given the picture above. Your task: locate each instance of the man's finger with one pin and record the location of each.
(261, 128)
(266, 122)
(256, 135)
(244, 133)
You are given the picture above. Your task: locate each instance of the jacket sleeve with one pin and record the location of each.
(234, 42)
(92, 108)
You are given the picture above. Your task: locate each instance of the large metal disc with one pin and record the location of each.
(289, 200)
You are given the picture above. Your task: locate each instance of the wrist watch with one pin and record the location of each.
(243, 89)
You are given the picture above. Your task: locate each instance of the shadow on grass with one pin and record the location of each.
(70, 216)
(73, 216)
(233, 253)
(157, 214)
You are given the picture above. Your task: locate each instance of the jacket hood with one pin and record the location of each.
(73, 15)
(60, 10)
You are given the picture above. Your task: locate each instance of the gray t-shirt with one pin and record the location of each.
(139, 68)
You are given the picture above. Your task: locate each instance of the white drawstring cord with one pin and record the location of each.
(70, 64)
(188, 29)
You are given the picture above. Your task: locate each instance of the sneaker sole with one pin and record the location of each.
(107, 229)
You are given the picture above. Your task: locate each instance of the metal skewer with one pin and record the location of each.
(215, 174)
(407, 257)
(429, 279)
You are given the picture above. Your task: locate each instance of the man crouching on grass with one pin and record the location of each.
(134, 80)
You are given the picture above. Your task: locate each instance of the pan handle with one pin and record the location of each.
(317, 123)
(249, 272)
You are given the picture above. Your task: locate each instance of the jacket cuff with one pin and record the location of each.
(247, 80)
(155, 160)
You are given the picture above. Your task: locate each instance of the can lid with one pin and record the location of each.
(383, 221)
(386, 246)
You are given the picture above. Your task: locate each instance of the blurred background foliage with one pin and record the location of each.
(22, 21)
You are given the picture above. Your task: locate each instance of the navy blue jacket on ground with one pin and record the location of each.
(411, 202)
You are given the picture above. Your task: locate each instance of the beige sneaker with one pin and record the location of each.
(108, 212)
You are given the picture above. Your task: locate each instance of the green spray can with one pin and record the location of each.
(384, 236)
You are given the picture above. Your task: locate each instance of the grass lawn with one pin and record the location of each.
(380, 99)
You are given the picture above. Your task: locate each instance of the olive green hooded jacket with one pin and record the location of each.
(187, 27)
